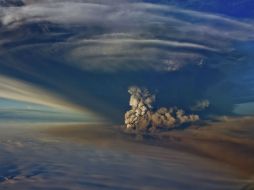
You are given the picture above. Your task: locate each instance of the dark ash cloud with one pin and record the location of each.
(142, 116)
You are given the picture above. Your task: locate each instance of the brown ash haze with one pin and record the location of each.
(126, 94)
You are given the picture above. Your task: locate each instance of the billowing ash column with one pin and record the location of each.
(142, 117)
(141, 106)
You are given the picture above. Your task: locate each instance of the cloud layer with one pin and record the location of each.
(129, 35)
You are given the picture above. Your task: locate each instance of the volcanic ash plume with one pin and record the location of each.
(142, 116)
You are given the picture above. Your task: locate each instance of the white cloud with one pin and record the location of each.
(152, 42)
(138, 32)
(129, 14)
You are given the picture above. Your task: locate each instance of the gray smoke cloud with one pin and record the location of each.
(143, 117)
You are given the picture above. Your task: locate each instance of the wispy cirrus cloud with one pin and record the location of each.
(144, 28)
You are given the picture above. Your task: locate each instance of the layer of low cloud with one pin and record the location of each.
(143, 117)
